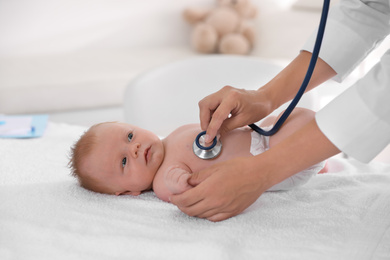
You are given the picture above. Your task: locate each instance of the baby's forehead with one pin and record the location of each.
(99, 160)
(111, 126)
(104, 129)
(108, 135)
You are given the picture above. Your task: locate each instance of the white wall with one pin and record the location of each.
(31, 27)
(59, 55)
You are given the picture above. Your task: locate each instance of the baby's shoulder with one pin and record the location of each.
(182, 134)
(185, 128)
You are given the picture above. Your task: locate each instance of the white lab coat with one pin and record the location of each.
(357, 121)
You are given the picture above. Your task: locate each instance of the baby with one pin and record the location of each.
(119, 158)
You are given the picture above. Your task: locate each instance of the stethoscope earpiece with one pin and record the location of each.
(206, 152)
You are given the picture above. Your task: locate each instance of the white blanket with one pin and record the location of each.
(44, 214)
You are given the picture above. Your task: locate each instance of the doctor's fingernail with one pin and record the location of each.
(207, 138)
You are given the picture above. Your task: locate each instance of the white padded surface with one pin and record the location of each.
(344, 214)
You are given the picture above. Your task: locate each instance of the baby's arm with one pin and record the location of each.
(176, 179)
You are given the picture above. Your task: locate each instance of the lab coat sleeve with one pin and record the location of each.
(357, 121)
(354, 28)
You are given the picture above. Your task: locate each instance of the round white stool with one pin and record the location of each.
(167, 97)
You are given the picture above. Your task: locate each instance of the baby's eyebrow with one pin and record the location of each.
(127, 131)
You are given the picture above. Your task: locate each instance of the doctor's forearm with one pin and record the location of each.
(286, 84)
(296, 153)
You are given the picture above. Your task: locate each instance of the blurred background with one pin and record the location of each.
(72, 59)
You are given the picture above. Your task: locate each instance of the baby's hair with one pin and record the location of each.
(79, 152)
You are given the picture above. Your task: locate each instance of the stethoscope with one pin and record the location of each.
(212, 151)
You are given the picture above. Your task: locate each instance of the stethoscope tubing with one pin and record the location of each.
(309, 73)
(316, 50)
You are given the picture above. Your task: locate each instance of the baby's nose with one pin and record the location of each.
(135, 149)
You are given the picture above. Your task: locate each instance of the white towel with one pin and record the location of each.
(44, 214)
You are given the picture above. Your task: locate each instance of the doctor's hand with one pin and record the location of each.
(222, 191)
(230, 108)
(228, 188)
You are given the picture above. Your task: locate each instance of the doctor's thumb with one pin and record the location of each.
(197, 177)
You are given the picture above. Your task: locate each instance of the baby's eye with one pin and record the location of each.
(130, 136)
(124, 160)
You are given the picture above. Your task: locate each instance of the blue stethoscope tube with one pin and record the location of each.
(206, 152)
(309, 73)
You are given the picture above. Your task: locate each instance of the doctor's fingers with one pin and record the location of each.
(210, 206)
(220, 210)
(195, 204)
(205, 209)
(217, 107)
(221, 216)
(215, 213)
(186, 199)
(211, 120)
(207, 106)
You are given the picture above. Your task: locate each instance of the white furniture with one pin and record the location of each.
(65, 56)
(166, 97)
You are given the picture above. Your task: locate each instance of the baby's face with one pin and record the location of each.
(126, 158)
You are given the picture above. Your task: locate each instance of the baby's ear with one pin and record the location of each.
(133, 193)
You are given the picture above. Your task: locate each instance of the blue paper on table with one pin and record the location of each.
(23, 126)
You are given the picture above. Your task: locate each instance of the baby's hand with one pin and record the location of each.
(176, 180)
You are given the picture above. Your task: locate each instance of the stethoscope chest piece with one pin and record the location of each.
(206, 152)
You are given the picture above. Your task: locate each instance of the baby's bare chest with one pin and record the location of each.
(179, 149)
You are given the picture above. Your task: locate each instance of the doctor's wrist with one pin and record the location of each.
(268, 99)
(261, 172)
